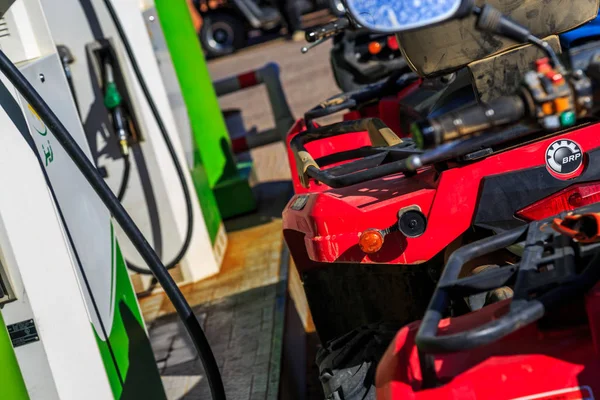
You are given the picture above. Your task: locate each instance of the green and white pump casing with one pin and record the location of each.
(76, 330)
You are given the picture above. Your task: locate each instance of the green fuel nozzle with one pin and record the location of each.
(113, 101)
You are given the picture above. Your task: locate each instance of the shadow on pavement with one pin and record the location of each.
(272, 197)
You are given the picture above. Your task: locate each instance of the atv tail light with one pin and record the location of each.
(374, 48)
(392, 42)
(566, 200)
(370, 241)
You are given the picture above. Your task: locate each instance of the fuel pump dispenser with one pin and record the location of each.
(132, 133)
(74, 328)
(71, 326)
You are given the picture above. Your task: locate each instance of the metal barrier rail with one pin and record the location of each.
(269, 76)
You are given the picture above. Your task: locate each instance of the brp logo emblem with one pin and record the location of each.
(564, 159)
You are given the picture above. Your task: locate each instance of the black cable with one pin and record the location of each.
(489, 19)
(125, 179)
(111, 202)
(165, 135)
(545, 47)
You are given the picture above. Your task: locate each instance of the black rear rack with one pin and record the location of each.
(388, 154)
(553, 269)
(381, 159)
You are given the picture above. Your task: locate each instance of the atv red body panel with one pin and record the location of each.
(331, 220)
(532, 363)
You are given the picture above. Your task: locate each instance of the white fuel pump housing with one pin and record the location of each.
(75, 326)
(154, 195)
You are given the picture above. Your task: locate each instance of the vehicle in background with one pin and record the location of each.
(360, 58)
(228, 23)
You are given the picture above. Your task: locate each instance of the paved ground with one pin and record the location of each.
(242, 308)
(307, 80)
(245, 332)
(242, 312)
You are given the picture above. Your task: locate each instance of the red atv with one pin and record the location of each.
(542, 344)
(374, 217)
(541, 341)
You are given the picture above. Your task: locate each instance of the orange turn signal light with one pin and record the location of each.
(370, 241)
(374, 48)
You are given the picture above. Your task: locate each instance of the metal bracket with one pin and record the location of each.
(7, 292)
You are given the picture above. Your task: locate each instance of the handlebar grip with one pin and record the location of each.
(323, 31)
(468, 122)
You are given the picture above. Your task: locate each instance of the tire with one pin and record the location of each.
(222, 34)
(347, 365)
(481, 300)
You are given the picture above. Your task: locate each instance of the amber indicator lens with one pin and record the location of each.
(374, 48)
(371, 241)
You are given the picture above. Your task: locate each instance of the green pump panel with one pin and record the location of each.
(214, 163)
(13, 386)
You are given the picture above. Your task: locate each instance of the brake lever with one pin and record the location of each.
(305, 49)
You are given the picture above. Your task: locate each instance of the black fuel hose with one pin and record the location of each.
(119, 213)
(125, 178)
(168, 143)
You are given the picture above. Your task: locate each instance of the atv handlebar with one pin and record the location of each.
(468, 122)
(550, 97)
(327, 30)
